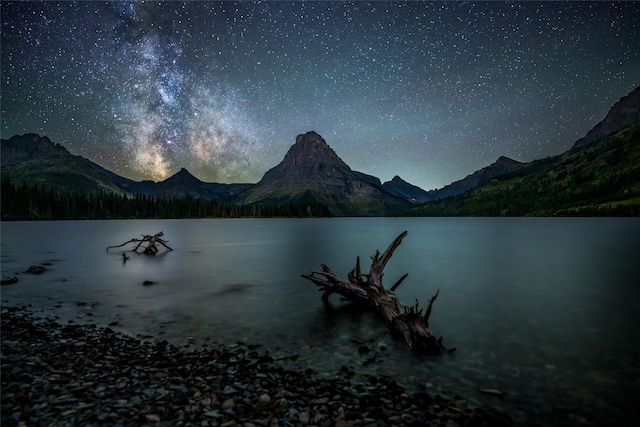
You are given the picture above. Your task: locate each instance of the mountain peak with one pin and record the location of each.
(183, 175)
(624, 113)
(20, 148)
(401, 188)
(309, 159)
(309, 137)
(312, 171)
(184, 172)
(31, 139)
(503, 160)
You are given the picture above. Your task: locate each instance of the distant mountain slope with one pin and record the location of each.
(410, 192)
(600, 179)
(22, 148)
(624, 113)
(137, 187)
(35, 159)
(185, 185)
(497, 168)
(180, 185)
(312, 171)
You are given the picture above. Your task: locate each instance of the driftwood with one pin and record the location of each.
(407, 323)
(150, 249)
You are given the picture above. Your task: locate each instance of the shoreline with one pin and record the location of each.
(91, 375)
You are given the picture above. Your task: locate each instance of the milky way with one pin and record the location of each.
(428, 91)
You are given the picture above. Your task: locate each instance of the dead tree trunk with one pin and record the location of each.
(407, 323)
(152, 242)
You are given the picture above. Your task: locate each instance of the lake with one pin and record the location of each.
(545, 310)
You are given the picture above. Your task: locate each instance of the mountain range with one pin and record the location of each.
(598, 176)
(310, 172)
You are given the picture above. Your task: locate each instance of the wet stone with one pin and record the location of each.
(36, 269)
(90, 375)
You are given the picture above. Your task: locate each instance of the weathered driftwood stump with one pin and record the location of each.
(407, 323)
(152, 242)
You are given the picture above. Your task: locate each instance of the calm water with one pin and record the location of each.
(545, 310)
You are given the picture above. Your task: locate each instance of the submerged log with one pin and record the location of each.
(407, 323)
(150, 249)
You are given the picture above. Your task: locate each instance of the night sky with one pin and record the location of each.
(428, 91)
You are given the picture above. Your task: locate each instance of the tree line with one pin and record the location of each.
(30, 201)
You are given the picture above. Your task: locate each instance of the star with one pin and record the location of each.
(431, 91)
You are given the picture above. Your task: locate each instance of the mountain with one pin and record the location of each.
(624, 113)
(599, 175)
(34, 158)
(184, 185)
(601, 179)
(22, 148)
(312, 172)
(145, 187)
(410, 192)
(497, 168)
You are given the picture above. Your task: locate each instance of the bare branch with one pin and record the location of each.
(151, 241)
(428, 312)
(395, 286)
(406, 322)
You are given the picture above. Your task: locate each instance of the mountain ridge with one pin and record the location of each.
(37, 159)
(624, 113)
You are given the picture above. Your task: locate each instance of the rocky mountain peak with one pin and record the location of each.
(624, 113)
(310, 137)
(312, 171)
(310, 159)
(20, 148)
(310, 148)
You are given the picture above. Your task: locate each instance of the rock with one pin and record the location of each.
(9, 280)
(229, 390)
(36, 269)
(228, 404)
(134, 382)
(304, 417)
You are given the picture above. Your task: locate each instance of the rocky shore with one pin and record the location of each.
(54, 374)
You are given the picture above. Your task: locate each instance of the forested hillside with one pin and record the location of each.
(602, 179)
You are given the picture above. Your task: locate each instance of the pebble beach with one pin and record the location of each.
(88, 375)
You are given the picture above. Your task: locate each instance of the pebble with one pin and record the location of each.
(96, 376)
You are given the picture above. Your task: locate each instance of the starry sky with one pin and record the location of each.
(430, 91)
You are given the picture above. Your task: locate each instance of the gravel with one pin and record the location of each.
(70, 375)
